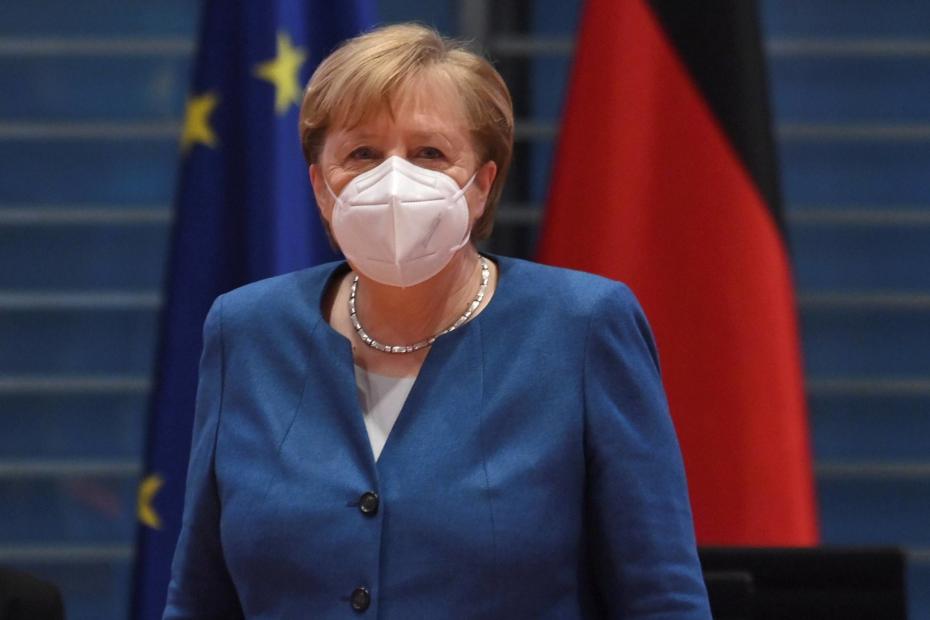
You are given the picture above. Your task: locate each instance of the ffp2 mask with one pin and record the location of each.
(400, 224)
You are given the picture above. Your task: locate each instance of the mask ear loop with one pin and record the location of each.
(330, 190)
(465, 187)
(458, 195)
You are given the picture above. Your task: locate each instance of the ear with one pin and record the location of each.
(484, 179)
(324, 201)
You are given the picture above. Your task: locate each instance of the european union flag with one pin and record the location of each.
(244, 211)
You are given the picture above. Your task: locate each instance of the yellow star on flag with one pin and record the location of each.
(197, 128)
(283, 72)
(147, 490)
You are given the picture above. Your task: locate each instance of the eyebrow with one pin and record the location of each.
(425, 134)
(431, 135)
(354, 134)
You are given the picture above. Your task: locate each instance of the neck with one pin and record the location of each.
(407, 315)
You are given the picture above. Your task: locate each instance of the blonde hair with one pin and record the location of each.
(360, 78)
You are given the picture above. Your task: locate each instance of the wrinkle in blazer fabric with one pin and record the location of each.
(533, 471)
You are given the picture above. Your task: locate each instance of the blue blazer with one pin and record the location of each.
(533, 471)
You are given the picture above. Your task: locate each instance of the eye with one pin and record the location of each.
(429, 152)
(363, 152)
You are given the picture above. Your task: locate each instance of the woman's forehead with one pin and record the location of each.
(429, 102)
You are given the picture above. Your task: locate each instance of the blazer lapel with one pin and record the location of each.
(330, 405)
(444, 404)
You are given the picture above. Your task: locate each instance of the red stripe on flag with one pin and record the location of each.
(648, 190)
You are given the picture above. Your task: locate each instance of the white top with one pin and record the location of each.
(382, 398)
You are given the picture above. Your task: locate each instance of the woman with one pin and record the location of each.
(423, 431)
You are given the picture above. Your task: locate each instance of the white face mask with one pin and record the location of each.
(400, 224)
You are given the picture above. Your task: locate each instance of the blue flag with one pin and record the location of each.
(244, 211)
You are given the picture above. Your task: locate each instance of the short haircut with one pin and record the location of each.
(358, 80)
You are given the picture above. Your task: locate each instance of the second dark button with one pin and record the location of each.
(360, 598)
(368, 503)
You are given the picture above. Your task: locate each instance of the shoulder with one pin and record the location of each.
(569, 290)
(570, 305)
(277, 299)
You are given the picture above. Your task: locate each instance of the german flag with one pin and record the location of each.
(665, 178)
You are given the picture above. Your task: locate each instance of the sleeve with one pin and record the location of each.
(200, 585)
(640, 531)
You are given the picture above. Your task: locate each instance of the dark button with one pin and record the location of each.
(361, 599)
(368, 503)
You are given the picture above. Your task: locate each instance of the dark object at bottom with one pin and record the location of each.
(821, 583)
(730, 594)
(24, 597)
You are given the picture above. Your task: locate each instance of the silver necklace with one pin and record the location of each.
(410, 348)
